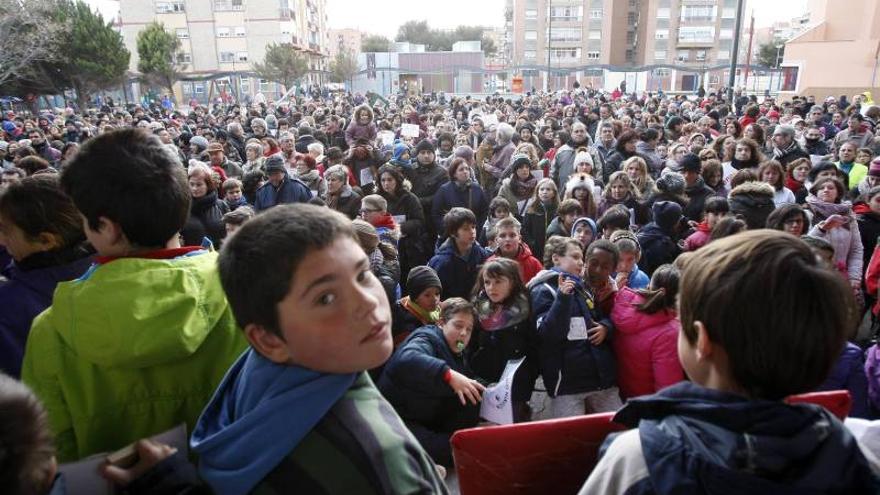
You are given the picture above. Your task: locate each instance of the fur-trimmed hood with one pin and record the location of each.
(754, 202)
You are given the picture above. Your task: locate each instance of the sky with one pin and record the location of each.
(384, 17)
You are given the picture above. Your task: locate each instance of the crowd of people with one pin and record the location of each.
(323, 288)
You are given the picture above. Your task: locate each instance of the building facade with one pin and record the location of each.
(344, 41)
(220, 39)
(562, 34)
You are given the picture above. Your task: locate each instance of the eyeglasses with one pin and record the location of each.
(364, 211)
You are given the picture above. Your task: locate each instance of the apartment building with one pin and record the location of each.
(563, 34)
(224, 37)
(344, 41)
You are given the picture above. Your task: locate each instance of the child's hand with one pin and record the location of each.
(621, 279)
(149, 452)
(566, 286)
(597, 334)
(465, 388)
(604, 292)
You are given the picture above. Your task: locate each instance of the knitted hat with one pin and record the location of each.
(690, 163)
(424, 145)
(368, 238)
(671, 183)
(582, 157)
(518, 158)
(420, 279)
(399, 150)
(9, 127)
(274, 164)
(666, 214)
(874, 171)
(578, 181)
(199, 141)
(374, 202)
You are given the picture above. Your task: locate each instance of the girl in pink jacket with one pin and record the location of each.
(647, 334)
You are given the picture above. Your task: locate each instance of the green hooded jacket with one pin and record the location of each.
(133, 348)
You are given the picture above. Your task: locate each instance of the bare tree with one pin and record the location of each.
(28, 38)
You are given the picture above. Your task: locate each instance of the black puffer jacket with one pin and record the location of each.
(205, 220)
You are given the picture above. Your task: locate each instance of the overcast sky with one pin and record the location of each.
(384, 17)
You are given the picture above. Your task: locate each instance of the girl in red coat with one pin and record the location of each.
(647, 332)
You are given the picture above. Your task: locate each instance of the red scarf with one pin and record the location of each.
(386, 220)
(159, 254)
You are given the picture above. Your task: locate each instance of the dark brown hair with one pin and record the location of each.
(662, 292)
(455, 305)
(498, 268)
(27, 454)
(37, 205)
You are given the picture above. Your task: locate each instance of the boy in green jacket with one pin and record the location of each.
(298, 411)
(137, 344)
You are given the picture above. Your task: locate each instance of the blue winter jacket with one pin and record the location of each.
(697, 440)
(412, 380)
(291, 191)
(25, 294)
(848, 373)
(458, 274)
(451, 194)
(570, 366)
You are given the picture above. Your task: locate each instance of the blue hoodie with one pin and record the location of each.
(258, 415)
(399, 150)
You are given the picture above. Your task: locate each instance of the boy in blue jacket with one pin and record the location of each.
(761, 319)
(297, 409)
(428, 381)
(459, 258)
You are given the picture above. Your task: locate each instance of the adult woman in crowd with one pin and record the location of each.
(42, 231)
(772, 173)
(789, 218)
(404, 206)
(340, 196)
(834, 221)
(620, 191)
(637, 170)
(253, 151)
(461, 190)
(519, 188)
(623, 150)
(746, 154)
(305, 169)
(206, 210)
(796, 174)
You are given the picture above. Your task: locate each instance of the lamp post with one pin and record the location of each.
(733, 56)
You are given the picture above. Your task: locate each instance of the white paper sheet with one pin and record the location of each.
(409, 130)
(496, 405)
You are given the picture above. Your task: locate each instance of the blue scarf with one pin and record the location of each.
(258, 415)
(578, 282)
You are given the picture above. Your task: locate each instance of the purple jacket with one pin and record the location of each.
(848, 373)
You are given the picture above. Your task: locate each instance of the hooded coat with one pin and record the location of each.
(356, 130)
(457, 273)
(452, 194)
(113, 363)
(646, 346)
(754, 201)
(696, 440)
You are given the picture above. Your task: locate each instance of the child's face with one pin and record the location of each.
(546, 193)
(583, 234)
(466, 234)
(429, 299)
(335, 317)
(626, 262)
(568, 219)
(862, 157)
(498, 289)
(713, 218)
(600, 264)
(572, 261)
(233, 194)
(508, 242)
(500, 213)
(458, 331)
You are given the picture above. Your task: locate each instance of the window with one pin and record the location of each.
(565, 34)
(659, 54)
(223, 32)
(723, 55)
(630, 55)
(725, 34)
(184, 58)
(631, 18)
(529, 54)
(241, 56)
(199, 88)
(228, 4)
(565, 54)
(240, 32)
(595, 35)
(531, 13)
(531, 35)
(264, 85)
(227, 57)
(287, 28)
(683, 55)
(593, 55)
(187, 88)
(701, 56)
(169, 7)
(182, 33)
(661, 34)
(630, 37)
(245, 84)
(728, 13)
(691, 13)
(633, 3)
(596, 14)
(662, 13)
(663, 72)
(567, 13)
(696, 34)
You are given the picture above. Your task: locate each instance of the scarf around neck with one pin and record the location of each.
(507, 314)
(424, 316)
(824, 209)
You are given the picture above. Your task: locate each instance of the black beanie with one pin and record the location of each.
(424, 145)
(420, 279)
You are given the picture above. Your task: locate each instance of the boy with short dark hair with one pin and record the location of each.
(568, 211)
(135, 346)
(235, 219)
(232, 194)
(297, 409)
(729, 431)
(459, 258)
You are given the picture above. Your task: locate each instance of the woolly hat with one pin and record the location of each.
(199, 141)
(584, 220)
(578, 181)
(666, 214)
(874, 171)
(582, 157)
(753, 201)
(671, 183)
(518, 158)
(690, 163)
(420, 279)
(274, 163)
(399, 150)
(374, 202)
(9, 127)
(368, 238)
(424, 145)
